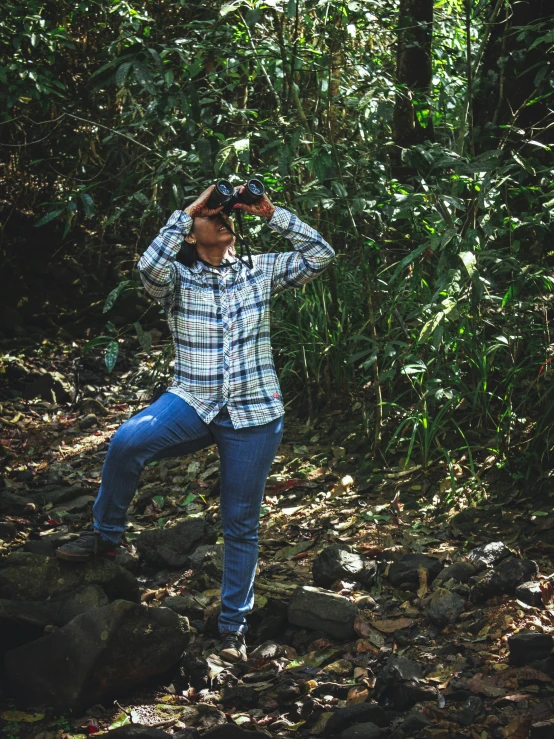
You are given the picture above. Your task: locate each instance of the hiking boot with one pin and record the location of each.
(88, 546)
(233, 647)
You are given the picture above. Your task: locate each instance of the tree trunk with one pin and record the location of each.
(413, 73)
(513, 74)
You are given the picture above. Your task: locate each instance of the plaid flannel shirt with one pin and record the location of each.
(220, 319)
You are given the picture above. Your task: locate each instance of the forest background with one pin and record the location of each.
(414, 135)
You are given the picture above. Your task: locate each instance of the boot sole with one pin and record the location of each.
(83, 557)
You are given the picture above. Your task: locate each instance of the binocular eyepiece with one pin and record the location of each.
(226, 195)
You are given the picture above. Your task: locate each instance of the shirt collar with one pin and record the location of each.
(199, 266)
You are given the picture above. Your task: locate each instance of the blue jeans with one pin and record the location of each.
(171, 428)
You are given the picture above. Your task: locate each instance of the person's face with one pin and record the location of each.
(210, 232)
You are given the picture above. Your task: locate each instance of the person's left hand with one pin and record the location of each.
(263, 207)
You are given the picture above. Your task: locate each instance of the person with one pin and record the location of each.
(224, 391)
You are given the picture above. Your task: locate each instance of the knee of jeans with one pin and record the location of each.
(240, 528)
(125, 440)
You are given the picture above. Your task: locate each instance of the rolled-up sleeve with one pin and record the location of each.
(157, 264)
(311, 254)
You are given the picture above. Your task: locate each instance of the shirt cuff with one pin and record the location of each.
(180, 220)
(280, 218)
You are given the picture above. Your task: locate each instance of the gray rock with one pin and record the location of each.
(445, 608)
(57, 610)
(185, 605)
(207, 562)
(529, 646)
(82, 503)
(173, 546)
(542, 730)
(363, 731)
(136, 731)
(472, 709)
(8, 530)
(88, 421)
(530, 593)
(416, 721)
(13, 504)
(318, 609)
(201, 715)
(405, 571)
(27, 576)
(400, 683)
(128, 560)
(232, 731)
(503, 579)
(459, 571)
(57, 495)
(96, 655)
(360, 713)
(91, 405)
(488, 555)
(337, 563)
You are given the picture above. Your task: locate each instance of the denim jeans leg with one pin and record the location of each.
(168, 427)
(246, 457)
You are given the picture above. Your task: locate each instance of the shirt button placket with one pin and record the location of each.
(226, 337)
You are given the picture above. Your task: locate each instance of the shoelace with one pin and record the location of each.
(233, 640)
(87, 536)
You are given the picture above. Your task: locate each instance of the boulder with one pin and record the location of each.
(96, 656)
(459, 571)
(406, 570)
(136, 731)
(27, 576)
(232, 731)
(8, 530)
(318, 609)
(530, 593)
(399, 683)
(173, 546)
(185, 605)
(57, 495)
(337, 563)
(445, 608)
(360, 713)
(207, 563)
(91, 405)
(199, 715)
(363, 731)
(488, 555)
(529, 646)
(13, 504)
(504, 578)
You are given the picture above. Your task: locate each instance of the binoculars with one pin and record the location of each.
(226, 195)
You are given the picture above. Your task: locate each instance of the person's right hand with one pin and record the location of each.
(199, 207)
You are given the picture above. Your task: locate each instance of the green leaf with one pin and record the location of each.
(121, 74)
(144, 77)
(49, 217)
(159, 500)
(88, 204)
(204, 150)
(291, 8)
(122, 719)
(115, 293)
(144, 337)
(313, 659)
(110, 357)
(188, 499)
(469, 260)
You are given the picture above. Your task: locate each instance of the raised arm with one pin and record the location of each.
(157, 264)
(311, 255)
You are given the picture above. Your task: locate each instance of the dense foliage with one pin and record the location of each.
(416, 136)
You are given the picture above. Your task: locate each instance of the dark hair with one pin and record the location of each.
(187, 254)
